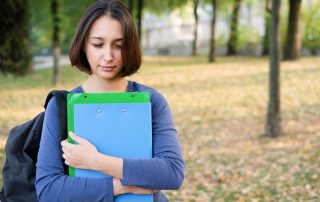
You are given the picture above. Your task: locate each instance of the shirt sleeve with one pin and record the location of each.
(51, 182)
(166, 169)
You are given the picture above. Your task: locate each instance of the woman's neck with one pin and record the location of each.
(98, 85)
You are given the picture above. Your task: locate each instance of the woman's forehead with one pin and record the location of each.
(105, 27)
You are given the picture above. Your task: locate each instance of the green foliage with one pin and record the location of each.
(247, 36)
(69, 13)
(41, 34)
(15, 54)
(311, 28)
(283, 26)
(221, 41)
(224, 8)
(159, 7)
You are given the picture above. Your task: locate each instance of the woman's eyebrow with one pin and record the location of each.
(119, 39)
(96, 37)
(101, 38)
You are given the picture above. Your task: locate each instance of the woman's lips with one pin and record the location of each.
(107, 68)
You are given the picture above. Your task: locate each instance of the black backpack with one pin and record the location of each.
(21, 149)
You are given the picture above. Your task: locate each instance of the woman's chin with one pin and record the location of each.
(109, 76)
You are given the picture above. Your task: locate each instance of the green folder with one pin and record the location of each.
(118, 124)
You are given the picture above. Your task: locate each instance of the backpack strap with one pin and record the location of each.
(61, 97)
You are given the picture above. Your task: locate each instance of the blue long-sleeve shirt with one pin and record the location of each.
(164, 171)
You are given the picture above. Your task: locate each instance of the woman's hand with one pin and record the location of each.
(119, 189)
(139, 190)
(84, 155)
(79, 155)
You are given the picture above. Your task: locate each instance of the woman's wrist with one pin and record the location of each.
(107, 164)
(118, 188)
(96, 161)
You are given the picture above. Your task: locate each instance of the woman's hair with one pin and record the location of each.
(130, 51)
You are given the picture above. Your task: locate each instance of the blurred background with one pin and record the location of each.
(240, 77)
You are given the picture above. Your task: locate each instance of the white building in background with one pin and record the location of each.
(171, 34)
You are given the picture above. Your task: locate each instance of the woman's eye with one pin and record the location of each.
(97, 45)
(118, 46)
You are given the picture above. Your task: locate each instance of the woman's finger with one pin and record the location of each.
(64, 143)
(76, 137)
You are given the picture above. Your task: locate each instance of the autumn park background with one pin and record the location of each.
(240, 77)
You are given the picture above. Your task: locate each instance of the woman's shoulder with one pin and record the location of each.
(53, 103)
(156, 96)
(77, 89)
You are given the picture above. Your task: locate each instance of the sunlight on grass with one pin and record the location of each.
(219, 110)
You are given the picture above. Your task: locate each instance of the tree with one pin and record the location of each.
(68, 23)
(55, 41)
(42, 23)
(232, 43)
(293, 42)
(140, 8)
(130, 6)
(166, 6)
(272, 127)
(195, 32)
(212, 35)
(161, 8)
(15, 54)
(265, 43)
(311, 29)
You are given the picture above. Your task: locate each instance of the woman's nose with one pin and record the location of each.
(107, 54)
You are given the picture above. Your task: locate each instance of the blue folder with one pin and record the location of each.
(118, 124)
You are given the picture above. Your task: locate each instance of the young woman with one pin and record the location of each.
(106, 47)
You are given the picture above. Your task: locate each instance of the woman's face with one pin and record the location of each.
(103, 48)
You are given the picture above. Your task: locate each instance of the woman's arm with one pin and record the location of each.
(164, 171)
(121, 189)
(84, 155)
(51, 182)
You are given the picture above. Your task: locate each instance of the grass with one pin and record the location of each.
(219, 111)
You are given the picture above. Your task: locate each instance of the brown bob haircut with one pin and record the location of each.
(130, 51)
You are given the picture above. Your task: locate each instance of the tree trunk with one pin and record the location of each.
(55, 41)
(232, 43)
(265, 44)
(15, 51)
(272, 127)
(293, 42)
(313, 51)
(130, 6)
(195, 33)
(213, 24)
(140, 8)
